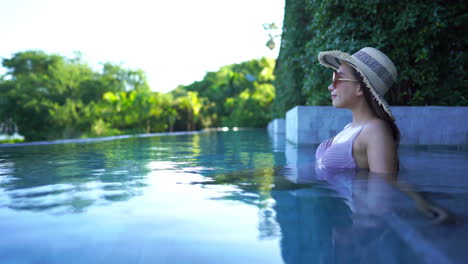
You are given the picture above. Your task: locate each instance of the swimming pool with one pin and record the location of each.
(221, 197)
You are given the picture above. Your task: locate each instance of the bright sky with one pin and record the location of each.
(173, 41)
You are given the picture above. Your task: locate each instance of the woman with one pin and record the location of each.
(371, 140)
(359, 84)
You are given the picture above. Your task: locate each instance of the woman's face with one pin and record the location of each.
(344, 93)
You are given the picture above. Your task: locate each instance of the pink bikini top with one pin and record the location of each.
(338, 154)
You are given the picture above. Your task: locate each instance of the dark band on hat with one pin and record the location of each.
(375, 66)
(325, 58)
(337, 61)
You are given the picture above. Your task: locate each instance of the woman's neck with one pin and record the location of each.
(362, 113)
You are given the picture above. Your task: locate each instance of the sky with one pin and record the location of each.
(175, 42)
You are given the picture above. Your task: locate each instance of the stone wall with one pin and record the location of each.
(428, 125)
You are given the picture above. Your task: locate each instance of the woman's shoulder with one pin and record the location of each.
(376, 129)
(377, 124)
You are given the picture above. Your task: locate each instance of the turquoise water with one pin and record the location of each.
(221, 197)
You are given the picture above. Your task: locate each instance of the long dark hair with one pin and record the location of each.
(376, 108)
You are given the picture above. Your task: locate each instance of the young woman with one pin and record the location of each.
(359, 84)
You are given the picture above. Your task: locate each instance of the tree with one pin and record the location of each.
(233, 95)
(50, 96)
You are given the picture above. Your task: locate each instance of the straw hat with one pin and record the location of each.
(378, 71)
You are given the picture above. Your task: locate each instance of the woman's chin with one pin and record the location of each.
(336, 104)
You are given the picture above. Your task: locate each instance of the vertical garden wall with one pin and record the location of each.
(425, 39)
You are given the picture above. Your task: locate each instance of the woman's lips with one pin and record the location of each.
(333, 97)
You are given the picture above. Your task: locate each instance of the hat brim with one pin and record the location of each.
(334, 58)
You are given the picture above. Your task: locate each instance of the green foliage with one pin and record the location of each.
(289, 71)
(49, 96)
(423, 38)
(16, 140)
(131, 112)
(101, 128)
(250, 108)
(238, 95)
(52, 97)
(189, 106)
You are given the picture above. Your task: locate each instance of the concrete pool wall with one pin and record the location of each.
(419, 125)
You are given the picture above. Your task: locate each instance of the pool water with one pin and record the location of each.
(222, 197)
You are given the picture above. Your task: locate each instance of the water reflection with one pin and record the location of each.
(64, 178)
(327, 216)
(71, 177)
(339, 219)
(350, 216)
(335, 216)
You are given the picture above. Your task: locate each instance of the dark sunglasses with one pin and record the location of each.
(336, 79)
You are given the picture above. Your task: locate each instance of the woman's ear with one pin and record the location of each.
(359, 91)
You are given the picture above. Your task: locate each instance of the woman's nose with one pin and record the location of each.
(330, 87)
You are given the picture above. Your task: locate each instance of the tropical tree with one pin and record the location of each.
(236, 95)
(49, 96)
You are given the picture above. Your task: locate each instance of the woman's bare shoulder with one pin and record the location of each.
(377, 125)
(376, 129)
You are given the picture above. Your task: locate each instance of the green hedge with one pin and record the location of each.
(289, 73)
(425, 39)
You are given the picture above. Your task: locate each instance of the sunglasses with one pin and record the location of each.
(336, 79)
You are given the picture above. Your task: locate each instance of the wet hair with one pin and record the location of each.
(376, 108)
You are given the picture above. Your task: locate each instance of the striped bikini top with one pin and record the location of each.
(337, 152)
